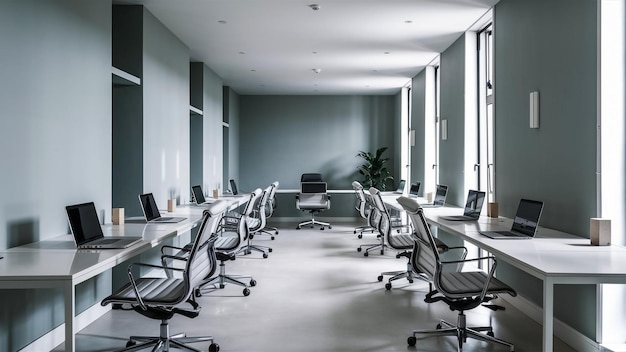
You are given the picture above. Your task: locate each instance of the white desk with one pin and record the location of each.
(552, 256)
(56, 263)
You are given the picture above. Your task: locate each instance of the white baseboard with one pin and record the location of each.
(563, 331)
(57, 336)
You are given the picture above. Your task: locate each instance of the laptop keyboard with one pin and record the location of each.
(162, 219)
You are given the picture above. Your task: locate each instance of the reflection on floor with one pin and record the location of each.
(316, 293)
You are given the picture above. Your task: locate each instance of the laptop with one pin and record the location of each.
(87, 231)
(525, 222)
(198, 196)
(415, 189)
(233, 189)
(440, 197)
(151, 211)
(473, 206)
(400, 189)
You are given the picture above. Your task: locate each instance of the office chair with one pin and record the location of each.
(163, 297)
(361, 205)
(250, 223)
(232, 233)
(257, 226)
(269, 211)
(460, 290)
(313, 198)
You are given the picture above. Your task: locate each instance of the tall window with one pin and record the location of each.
(485, 165)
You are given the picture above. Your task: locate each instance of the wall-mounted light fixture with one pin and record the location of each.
(444, 130)
(534, 109)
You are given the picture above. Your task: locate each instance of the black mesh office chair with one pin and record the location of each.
(162, 298)
(460, 290)
(314, 198)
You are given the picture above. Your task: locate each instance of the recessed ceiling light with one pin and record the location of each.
(242, 53)
(317, 70)
(315, 52)
(387, 53)
(222, 22)
(408, 21)
(253, 70)
(314, 7)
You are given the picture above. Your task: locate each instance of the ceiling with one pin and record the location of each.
(261, 47)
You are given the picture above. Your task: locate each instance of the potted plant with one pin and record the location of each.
(374, 170)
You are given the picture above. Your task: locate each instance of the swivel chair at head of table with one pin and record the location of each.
(313, 197)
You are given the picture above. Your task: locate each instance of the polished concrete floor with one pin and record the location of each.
(316, 293)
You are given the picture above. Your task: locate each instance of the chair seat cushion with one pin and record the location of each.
(226, 243)
(401, 241)
(471, 283)
(152, 290)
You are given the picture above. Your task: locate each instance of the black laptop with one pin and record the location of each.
(198, 196)
(440, 197)
(473, 207)
(151, 211)
(87, 231)
(525, 223)
(415, 189)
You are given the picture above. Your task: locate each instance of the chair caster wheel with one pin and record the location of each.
(380, 278)
(490, 333)
(264, 255)
(253, 282)
(388, 286)
(298, 228)
(360, 236)
(272, 238)
(270, 250)
(321, 228)
(277, 232)
(222, 286)
(398, 256)
(355, 232)
(248, 252)
(410, 281)
(366, 254)
(358, 249)
(382, 251)
(214, 347)
(438, 327)
(411, 341)
(131, 343)
(246, 292)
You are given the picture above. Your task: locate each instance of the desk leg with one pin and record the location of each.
(70, 304)
(548, 317)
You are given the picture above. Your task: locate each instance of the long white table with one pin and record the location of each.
(56, 263)
(552, 256)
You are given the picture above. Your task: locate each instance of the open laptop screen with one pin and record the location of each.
(233, 187)
(84, 222)
(401, 186)
(440, 195)
(474, 204)
(198, 195)
(149, 206)
(527, 217)
(415, 188)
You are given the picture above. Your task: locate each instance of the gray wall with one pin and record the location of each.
(55, 140)
(213, 115)
(548, 46)
(418, 116)
(282, 137)
(166, 112)
(452, 102)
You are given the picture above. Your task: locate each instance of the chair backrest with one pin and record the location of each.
(373, 216)
(311, 177)
(263, 204)
(201, 261)
(360, 203)
(271, 202)
(425, 257)
(384, 223)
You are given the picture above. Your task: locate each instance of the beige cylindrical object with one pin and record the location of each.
(429, 197)
(216, 193)
(117, 216)
(600, 231)
(492, 210)
(171, 205)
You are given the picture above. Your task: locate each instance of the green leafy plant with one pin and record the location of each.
(374, 170)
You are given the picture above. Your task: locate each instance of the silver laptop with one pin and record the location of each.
(473, 207)
(525, 223)
(87, 231)
(400, 189)
(440, 197)
(151, 211)
(198, 196)
(415, 189)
